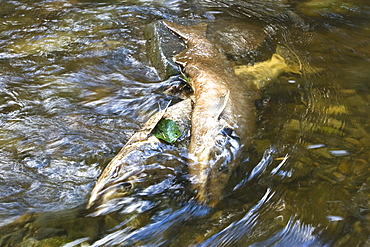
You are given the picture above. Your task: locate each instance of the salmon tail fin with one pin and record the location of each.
(188, 32)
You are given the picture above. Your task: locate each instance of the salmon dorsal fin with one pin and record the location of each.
(188, 32)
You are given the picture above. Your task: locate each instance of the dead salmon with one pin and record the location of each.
(126, 169)
(224, 114)
(221, 122)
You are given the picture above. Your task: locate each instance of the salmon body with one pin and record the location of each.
(224, 114)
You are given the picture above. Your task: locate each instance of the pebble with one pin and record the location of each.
(354, 142)
(344, 167)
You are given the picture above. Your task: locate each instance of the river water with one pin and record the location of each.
(76, 83)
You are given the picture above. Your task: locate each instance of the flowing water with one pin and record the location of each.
(76, 83)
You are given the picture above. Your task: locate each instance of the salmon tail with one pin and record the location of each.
(188, 32)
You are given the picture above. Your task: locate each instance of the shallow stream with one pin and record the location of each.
(76, 83)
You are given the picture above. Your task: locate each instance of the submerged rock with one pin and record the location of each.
(49, 229)
(43, 45)
(161, 47)
(244, 41)
(327, 7)
(263, 73)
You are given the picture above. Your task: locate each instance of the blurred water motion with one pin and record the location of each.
(76, 83)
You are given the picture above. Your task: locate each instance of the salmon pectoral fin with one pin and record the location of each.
(218, 106)
(223, 100)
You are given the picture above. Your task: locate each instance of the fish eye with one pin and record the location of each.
(124, 187)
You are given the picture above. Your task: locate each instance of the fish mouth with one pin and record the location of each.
(116, 181)
(110, 192)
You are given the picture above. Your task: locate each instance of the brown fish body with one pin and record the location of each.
(223, 116)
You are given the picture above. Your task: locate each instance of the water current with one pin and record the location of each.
(76, 82)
